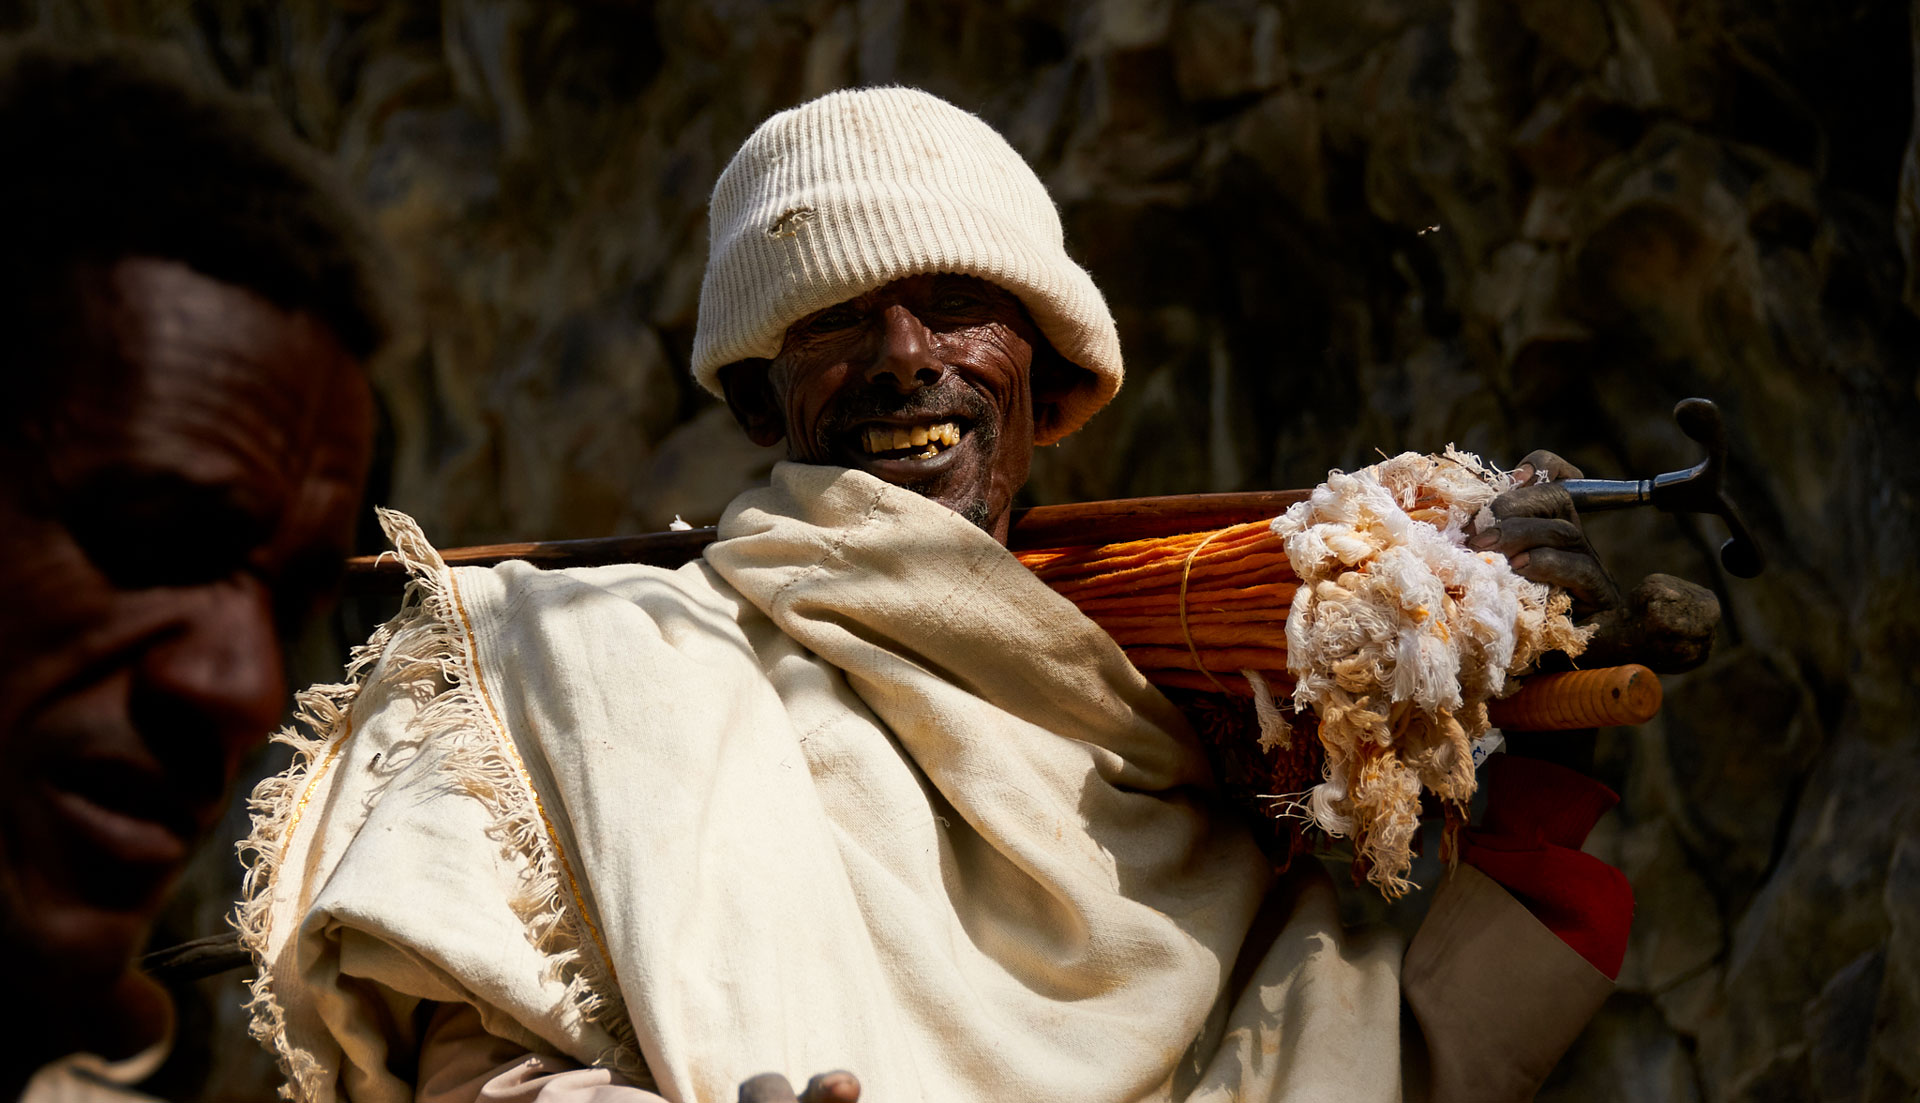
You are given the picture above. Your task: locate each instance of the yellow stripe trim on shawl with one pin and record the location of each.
(520, 768)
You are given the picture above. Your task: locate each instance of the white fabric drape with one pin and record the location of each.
(853, 791)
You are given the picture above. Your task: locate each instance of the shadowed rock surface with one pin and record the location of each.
(1325, 229)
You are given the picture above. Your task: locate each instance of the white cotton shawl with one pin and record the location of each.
(855, 790)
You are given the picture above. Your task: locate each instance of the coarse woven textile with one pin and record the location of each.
(855, 790)
(849, 192)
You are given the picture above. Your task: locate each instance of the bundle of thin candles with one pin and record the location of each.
(1192, 611)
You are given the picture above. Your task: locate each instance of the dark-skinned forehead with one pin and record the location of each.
(149, 329)
(192, 382)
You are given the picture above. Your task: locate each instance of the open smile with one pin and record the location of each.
(905, 451)
(922, 440)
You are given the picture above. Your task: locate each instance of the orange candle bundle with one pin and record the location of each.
(1192, 611)
(1240, 589)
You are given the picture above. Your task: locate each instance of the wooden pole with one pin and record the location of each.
(1039, 527)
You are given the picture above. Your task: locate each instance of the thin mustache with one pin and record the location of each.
(881, 405)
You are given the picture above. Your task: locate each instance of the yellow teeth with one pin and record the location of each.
(930, 438)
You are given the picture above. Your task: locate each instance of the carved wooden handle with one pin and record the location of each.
(1601, 698)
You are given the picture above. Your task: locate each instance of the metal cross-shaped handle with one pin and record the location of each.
(1698, 489)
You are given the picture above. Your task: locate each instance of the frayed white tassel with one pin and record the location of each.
(1322, 807)
(1396, 637)
(1274, 731)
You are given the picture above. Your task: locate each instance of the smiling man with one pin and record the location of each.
(928, 383)
(855, 790)
(889, 289)
(187, 430)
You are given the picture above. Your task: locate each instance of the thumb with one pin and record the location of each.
(838, 1086)
(768, 1087)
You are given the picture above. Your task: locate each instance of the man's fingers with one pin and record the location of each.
(1517, 534)
(839, 1086)
(1575, 572)
(1542, 462)
(768, 1087)
(1667, 623)
(1537, 500)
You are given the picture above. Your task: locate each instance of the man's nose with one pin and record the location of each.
(212, 687)
(905, 359)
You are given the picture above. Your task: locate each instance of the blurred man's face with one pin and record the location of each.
(924, 383)
(191, 497)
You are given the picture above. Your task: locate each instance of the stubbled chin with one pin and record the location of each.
(975, 510)
(953, 479)
(954, 489)
(961, 494)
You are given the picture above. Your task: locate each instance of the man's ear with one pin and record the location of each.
(1053, 379)
(750, 396)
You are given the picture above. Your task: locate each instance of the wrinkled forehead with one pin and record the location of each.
(205, 380)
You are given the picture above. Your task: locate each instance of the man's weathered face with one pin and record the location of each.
(925, 383)
(179, 511)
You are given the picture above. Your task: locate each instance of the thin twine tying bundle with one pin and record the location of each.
(1186, 569)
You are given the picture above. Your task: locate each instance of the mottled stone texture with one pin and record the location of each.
(1326, 228)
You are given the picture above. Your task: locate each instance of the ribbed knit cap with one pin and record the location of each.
(856, 189)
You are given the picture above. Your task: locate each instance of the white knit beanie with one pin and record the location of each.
(856, 189)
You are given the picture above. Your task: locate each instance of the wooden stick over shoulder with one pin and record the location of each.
(1039, 527)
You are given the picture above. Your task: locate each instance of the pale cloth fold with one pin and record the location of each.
(853, 791)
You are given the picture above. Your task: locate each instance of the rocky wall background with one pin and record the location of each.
(1326, 228)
